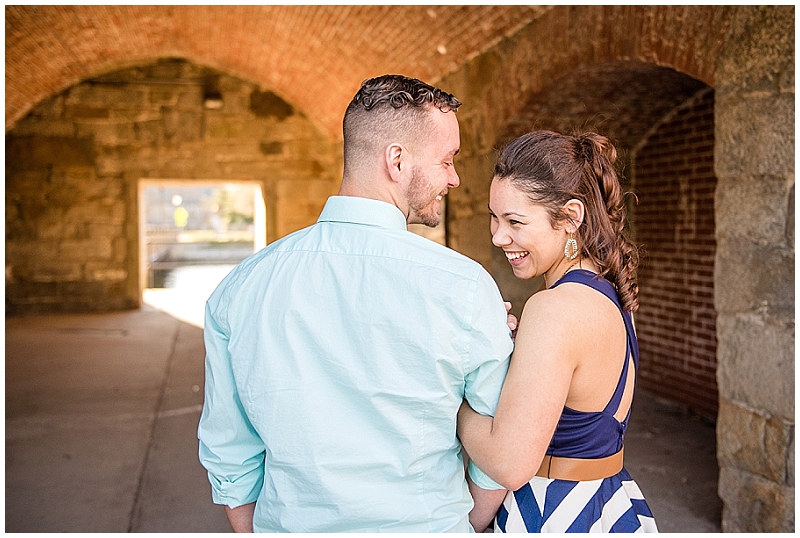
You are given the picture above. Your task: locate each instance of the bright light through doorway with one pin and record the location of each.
(192, 235)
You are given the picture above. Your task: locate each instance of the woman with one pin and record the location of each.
(556, 439)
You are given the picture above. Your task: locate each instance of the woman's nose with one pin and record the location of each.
(500, 238)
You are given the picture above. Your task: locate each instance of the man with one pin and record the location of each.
(337, 357)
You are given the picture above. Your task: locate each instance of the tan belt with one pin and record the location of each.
(578, 469)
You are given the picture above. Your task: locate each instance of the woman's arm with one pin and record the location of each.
(510, 446)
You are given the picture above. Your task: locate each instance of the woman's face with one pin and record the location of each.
(522, 229)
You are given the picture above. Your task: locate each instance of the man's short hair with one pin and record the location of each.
(390, 108)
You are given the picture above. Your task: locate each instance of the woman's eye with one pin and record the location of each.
(514, 222)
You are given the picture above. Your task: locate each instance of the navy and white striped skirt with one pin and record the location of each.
(613, 504)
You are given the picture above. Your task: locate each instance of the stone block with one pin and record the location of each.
(109, 134)
(22, 252)
(86, 249)
(147, 132)
(755, 362)
(112, 275)
(159, 97)
(86, 114)
(271, 148)
(102, 271)
(35, 153)
(753, 208)
(33, 126)
(110, 164)
(100, 212)
(236, 101)
(105, 97)
(189, 127)
(753, 442)
(753, 504)
(752, 276)
(224, 127)
(190, 99)
(114, 211)
(104, 230)
(51, 226)
(759, 48)
(75, 176)
(754, 136)
(55, 271)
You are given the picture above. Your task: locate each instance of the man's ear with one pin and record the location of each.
(574, 211)
(396, 161)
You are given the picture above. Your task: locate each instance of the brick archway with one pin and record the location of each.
(312, 56)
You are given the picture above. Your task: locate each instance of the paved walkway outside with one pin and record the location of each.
(101, 418)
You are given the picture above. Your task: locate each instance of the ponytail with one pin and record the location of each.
(604, 236)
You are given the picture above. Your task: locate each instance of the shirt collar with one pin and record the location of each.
(359, 210)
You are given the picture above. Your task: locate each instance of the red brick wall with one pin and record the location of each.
(674, 219)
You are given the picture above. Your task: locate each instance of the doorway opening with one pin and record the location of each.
(191, 234)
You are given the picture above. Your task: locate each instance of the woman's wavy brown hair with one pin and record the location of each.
(552, 169)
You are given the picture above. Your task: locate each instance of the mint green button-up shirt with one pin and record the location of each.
(336, 360)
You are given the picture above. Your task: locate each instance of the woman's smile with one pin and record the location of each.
(516, 257)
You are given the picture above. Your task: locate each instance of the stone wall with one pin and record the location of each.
(73, 166)
(754, 270)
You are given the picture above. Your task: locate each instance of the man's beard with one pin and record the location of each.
(421, 205)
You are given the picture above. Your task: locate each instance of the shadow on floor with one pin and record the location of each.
(672, 456)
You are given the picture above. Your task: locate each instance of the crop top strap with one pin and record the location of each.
(596, 282)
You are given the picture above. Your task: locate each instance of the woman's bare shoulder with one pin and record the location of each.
(563, 300)
(568, 308)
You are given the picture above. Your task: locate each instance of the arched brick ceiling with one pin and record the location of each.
(622, 100)
(313, 56)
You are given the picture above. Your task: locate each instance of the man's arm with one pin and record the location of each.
(487, 502)
(241, 517)
(230, 448)
(490, 351)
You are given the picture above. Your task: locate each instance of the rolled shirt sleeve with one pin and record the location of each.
(230, 449)
(490, 351)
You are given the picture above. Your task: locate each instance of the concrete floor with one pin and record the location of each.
(101, 418)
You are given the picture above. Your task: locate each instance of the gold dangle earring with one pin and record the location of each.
(571, 248)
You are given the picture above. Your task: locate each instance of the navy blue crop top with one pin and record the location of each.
(581, 434)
